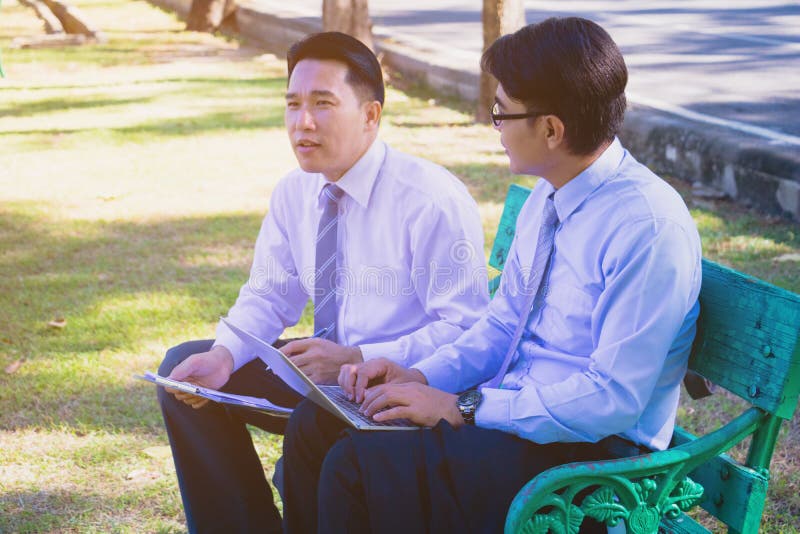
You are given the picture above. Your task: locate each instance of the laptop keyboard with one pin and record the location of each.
(336, 394)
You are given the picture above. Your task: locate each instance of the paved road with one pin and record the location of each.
(730, 62)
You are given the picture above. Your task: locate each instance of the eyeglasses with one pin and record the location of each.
(498, 117)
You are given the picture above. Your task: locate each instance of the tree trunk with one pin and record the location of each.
(499, 18)
(207, 15)
(348, 16)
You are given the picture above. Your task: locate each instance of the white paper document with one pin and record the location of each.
(255, 403)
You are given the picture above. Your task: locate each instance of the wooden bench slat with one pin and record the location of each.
(747, 340)
(517, 195)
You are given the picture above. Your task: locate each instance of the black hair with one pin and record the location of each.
(363, 70)
(569, 67)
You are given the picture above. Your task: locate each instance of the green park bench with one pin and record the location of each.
(746, 343)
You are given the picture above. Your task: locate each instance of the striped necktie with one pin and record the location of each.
(325, 307)
(534, 288)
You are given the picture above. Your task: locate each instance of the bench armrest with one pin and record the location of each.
(639, 490)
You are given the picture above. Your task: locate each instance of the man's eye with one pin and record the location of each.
(324, 103)
(292, 105)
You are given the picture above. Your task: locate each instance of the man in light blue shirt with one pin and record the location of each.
(583, 348)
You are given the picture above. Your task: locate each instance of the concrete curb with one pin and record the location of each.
(744, 167)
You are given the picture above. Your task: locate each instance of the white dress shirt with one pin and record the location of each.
(411, 267)
(607, 351)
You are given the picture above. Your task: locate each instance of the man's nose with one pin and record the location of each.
(305, 120)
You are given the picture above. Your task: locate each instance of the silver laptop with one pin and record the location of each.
(332, 398)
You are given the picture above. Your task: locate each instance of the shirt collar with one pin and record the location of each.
(359, 180)
(573, 193)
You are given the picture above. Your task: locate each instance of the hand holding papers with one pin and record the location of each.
(255, 403)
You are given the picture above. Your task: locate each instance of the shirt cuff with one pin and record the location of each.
(391, 350)
(494, 411)
(237, 348)
(439, 374)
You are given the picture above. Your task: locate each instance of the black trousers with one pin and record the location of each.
(436, 480)
(220, 475)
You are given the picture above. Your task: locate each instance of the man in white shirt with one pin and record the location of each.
(388, 246)
(581, 352)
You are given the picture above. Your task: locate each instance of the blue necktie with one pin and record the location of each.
(325, 307)
(534, 288)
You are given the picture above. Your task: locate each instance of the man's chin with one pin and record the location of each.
(308, 164)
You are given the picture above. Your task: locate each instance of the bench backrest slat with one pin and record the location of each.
(517, 195)
(747, 339)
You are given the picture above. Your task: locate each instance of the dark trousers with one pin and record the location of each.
(221, 478)
(435, 480)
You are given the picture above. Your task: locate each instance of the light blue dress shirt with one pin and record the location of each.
(606, 352)
(412, 275)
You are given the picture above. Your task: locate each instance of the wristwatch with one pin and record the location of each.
(468, 404)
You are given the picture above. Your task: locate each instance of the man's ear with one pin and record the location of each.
(373, 112)
(553, 131)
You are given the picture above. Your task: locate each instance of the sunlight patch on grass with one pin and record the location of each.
(749, 247)
(708, 223)
(185, 175)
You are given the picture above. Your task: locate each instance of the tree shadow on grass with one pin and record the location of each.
(48, 105)
(259, 83)
(28, 511)
(119, 285)
(258, 119)
(64, 510)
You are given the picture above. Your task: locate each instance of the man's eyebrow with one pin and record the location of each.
(323, 92)
(315, 92)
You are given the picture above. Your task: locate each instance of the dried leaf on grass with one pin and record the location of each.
(14, 366)
(58, 322)
(143, 474)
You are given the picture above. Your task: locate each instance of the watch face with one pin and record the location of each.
(469, 398)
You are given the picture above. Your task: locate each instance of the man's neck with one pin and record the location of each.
(571, 165)
(336, 177)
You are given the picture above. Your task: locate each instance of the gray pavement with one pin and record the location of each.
(732, 62)
(714, 85)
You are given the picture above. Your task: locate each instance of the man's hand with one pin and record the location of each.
(210, 369)
(421, 404)
(355, 379)
(321, 359)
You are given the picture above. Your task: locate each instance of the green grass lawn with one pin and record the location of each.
(133, 178)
